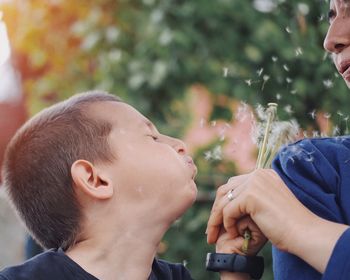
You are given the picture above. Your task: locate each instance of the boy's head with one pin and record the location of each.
(93, 159)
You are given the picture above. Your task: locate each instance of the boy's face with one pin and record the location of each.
(151, 170)
(337, 40)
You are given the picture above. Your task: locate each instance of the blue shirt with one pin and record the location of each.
(56, 265)
(317, 171)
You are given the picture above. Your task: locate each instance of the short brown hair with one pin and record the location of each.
(38, 161)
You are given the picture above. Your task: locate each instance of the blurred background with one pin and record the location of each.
(197, 69)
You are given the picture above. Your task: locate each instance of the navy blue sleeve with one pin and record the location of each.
(339, 264)
(317, 171)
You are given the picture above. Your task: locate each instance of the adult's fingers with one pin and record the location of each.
(232, 213)
(216, 217)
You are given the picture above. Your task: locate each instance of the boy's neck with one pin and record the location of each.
(124, 254)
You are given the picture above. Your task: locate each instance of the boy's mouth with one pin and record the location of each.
(191, 163)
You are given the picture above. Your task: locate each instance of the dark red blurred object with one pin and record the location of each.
(12, 116)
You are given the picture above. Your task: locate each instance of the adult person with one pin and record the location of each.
(301, 206)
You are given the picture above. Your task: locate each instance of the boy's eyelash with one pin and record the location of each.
(154, 137)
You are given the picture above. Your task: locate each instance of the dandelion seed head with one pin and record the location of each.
(260, 112)
(241, 114)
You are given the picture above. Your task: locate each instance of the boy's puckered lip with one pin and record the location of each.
(192, 165)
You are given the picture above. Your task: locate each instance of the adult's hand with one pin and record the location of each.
(288, 224)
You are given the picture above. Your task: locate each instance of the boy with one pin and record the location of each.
(94, 179)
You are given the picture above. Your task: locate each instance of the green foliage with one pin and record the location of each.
(150, 52)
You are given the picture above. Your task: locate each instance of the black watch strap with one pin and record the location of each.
(254, 266)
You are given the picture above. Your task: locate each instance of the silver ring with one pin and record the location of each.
(230, 195)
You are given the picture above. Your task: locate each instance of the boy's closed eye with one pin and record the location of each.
(153, 136)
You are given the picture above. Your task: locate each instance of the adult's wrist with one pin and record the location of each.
(314, 242)
(234, 276)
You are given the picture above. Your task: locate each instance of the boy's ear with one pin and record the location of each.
(88, 179)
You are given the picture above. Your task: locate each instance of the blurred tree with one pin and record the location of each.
(150, 52)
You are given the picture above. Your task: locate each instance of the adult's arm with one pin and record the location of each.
(286, 222)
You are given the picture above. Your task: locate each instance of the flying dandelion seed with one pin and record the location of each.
(313, 114)
(265, 79)
(294, 91)
(278, 96)
(208, 155)
(285, 67)
(288, 30)
(260, 71)
(289, 80)
(298, 51)
(336, 130)
(274, 58)
(321, 18)
(325, 56)
(328, 83)
(184, 262)
(309, 158)
(225, 70)
(248, 82)
(217, 153)
(327, 115)
(288, 109)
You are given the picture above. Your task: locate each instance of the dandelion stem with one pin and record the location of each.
(263, 158)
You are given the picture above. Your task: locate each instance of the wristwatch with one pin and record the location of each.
(254, 266)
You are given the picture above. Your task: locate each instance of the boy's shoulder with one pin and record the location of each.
(55, 265)
(171, 271)
(52, 264)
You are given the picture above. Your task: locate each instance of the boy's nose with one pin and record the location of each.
(338, 37)
(179, 146)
